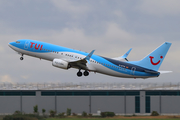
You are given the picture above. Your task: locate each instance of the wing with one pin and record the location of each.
(81, 64)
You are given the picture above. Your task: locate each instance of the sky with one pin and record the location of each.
(111, 27)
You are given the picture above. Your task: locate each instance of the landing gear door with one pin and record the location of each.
(133, 69)
(26, 45)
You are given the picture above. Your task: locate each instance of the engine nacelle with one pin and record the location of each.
(60, 64)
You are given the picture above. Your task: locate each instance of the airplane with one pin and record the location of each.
(67, 58)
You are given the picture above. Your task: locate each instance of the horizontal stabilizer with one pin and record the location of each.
(163, 72)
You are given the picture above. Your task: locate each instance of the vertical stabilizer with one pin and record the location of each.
(154, 60)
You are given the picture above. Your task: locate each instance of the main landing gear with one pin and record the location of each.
(86, 73)
(79, 73)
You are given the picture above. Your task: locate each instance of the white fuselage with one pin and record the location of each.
(80, 60)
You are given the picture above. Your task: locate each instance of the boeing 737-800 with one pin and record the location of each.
(67, 58)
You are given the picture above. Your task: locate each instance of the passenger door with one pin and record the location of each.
(133, 69)
(26, 45)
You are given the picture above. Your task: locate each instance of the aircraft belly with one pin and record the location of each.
(104, 70)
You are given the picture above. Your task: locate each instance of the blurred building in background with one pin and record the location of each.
(123, 99)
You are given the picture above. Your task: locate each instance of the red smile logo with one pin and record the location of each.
(151, 57)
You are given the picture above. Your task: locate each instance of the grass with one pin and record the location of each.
(134, 118)
(109, 119)
(117, 118)
(1, 117)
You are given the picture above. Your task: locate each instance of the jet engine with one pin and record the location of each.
(60, 64)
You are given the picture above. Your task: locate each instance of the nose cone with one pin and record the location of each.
(11, 44)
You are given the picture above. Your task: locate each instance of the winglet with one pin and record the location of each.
(89, 55)
(126, 54)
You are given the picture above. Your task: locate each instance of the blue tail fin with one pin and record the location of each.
(154, 60)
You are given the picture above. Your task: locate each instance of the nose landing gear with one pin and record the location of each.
(21, 58)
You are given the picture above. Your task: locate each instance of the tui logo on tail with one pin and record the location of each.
(151, 57)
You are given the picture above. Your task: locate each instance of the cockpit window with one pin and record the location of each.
(17, 42)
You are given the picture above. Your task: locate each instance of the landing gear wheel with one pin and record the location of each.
(79, 74)
(21, 58)
(86, 73)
